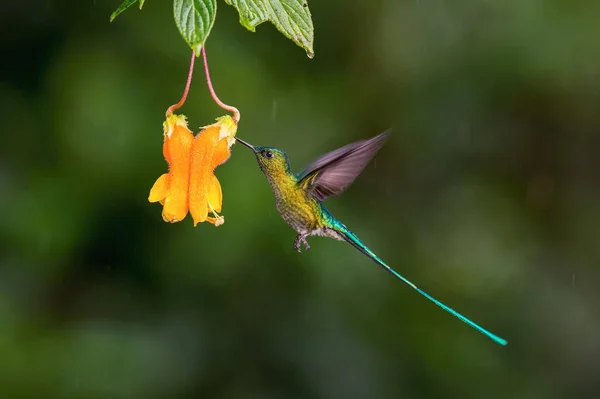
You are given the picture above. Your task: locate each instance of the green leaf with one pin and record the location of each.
(195, 19)
(125, 5)
(290, 17)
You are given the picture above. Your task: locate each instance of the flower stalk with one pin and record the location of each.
(229, 108)
(186, 90)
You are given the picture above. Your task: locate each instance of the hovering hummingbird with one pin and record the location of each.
(299, 198)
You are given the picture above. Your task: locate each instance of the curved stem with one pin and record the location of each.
(186, 90)
(234, 110)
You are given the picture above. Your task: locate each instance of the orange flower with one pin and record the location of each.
(191, 185)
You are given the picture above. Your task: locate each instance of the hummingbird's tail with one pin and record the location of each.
(357, 243)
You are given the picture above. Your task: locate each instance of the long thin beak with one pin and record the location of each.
(246, 144)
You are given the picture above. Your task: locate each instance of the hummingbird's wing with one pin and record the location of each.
(333, 172)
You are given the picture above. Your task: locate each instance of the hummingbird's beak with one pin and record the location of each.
(246, 144)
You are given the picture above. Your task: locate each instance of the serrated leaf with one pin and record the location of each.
(290, 17)
(124, 6)
(195, 19)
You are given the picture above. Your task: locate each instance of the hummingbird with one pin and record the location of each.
(299, 199)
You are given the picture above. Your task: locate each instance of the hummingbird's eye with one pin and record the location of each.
(267, 154)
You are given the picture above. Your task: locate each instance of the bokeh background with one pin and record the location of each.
(487, 196)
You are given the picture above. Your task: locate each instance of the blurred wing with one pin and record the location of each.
(335, 171)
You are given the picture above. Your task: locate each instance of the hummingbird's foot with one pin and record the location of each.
(301, 239)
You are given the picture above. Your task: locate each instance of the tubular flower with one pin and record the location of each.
(191, 185)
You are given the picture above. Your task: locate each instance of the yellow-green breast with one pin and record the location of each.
(298, 209)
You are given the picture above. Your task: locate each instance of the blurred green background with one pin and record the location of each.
(487, 196)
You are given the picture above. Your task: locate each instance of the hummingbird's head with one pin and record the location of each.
(272, 161)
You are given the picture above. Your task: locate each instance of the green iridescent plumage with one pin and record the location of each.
(299, 199)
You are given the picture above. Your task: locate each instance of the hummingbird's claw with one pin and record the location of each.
(301, 239)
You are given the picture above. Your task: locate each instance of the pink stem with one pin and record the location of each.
(186, 90)
(234, 110)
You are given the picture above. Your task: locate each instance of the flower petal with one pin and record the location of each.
(205, 195)
(221, 153)
(160, 189)
(215, 200)
(177, 152)
(199, 208)
(214, 195)
(200, 172)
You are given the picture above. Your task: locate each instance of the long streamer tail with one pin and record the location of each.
(357, 243)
